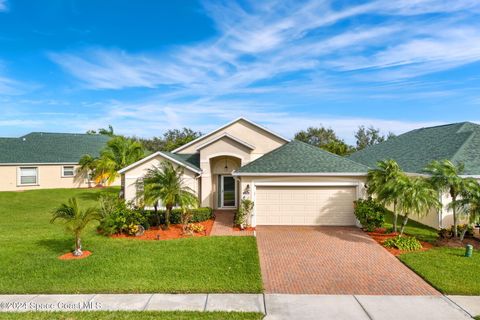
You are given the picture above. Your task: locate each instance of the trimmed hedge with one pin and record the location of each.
(198, 215)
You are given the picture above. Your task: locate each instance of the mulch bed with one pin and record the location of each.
(380, 236)
(70, 256)
(175, 232)
(455, 243)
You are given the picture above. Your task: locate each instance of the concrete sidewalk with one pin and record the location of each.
(275, 306)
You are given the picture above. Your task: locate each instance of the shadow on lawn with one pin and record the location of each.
(56, 245)
(94, 196)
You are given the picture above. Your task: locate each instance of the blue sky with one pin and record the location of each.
(146, 66)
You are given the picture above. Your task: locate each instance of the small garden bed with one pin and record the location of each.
(380, 236)
(174, 232)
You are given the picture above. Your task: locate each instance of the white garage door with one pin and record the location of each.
(330, 206)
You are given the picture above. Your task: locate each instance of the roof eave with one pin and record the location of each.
(153, 155)
(223, 127)
(301, 174)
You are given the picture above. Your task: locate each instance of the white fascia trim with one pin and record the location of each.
(226, 125)
(312, 174)
(307, 184)
(153, 155)
(226, 135)
(38, 163)
(474, 176)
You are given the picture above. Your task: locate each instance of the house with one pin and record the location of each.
(41, 160)
(291, 183)
(414, 150)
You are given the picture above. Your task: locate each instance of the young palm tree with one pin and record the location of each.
(119, 153)
(165, 184)
(417, 198)
(384, 183)
(75, 220)
(468, 203)
(445, 177)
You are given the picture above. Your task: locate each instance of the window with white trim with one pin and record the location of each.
(68, 171)
(28, 175)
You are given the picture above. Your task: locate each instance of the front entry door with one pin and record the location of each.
(229, 192)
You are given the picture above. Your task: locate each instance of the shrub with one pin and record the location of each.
(403, 243)
(370, 213)
(198, 215)
(196, 227)
(447, 233)
(118, 217)
(243, 212)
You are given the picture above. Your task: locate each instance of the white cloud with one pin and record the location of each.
(3, 5)
(275, 38)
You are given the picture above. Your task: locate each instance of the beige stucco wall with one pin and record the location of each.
(251, 181)
(262, 140)
(49, 177)
(439, 218)
(131, 177)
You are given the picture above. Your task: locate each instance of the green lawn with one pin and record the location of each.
(447, 269)
(30, 246)
(444, 268)
(413, 228)
(144, 315)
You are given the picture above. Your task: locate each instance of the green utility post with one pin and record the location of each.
(468, 250)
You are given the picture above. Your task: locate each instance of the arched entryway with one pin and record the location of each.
(225, 186)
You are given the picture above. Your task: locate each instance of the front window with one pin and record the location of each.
(68, 171)
(28, 175)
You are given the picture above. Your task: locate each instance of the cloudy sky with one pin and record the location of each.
(146, 66)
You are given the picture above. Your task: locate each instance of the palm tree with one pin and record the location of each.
(385, 183)
(119, 153)
(87, 167)
(417, 198)
(445, 177)
(75, 220)
(165, 184)
(469, 203)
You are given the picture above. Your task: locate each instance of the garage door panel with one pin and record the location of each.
(305, 205)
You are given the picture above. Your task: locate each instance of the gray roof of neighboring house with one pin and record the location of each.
(300, 157)
(414, 150)
(43, 147)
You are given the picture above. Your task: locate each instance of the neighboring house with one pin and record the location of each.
(42, 160)
(414, 150)
(291, 183)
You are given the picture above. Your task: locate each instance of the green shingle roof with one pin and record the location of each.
(42, 147)
(457, 142)
(300, 157)
(188, 159)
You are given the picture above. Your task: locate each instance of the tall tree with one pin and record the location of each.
(324, 138)
(445, 177)
(369, 136)
(417, 198)
(386, 182)
(165, 185)
(75, 220)
(104, 131)
(171, 139)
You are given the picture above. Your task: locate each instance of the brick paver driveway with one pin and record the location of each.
(332, 260)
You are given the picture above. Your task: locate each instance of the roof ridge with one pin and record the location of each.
(464, 144)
